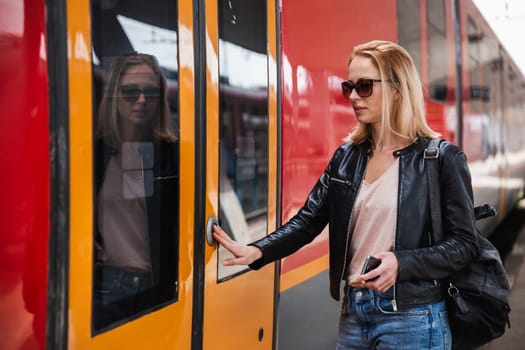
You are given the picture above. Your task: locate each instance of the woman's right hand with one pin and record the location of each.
(243, 254)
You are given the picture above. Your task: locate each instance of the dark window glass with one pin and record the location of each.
(409, 28)
(437, 50)
(136, 159)
(243, 170)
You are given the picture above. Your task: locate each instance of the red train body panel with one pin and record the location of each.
(315, 49)
(25, 175)
(315, 117)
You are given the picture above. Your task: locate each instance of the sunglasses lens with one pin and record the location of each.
(132, 93)
(129, 93)
(151, 93)
(347, 89)
(364, 87)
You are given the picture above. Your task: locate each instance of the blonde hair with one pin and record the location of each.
(107, 126)
(404, 110)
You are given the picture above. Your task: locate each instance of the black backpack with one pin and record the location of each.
(478, 308)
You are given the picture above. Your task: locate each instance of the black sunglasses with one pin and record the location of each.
(131, 93)
(363, 87)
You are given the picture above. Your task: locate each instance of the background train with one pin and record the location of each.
(253, 89)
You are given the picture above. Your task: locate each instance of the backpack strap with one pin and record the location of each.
(431, 156)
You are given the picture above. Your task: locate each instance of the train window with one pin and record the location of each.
(136, 159)
(243, 113)
(473, 57)
(409, 28)
(437, 50)
(491, 126)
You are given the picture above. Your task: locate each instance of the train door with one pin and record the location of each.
(240, 168)
(132, 172)
(164, 134)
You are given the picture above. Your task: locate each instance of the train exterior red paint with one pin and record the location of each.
(25, 163)
(315, 50)
(254, 95)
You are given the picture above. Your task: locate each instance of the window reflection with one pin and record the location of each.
(491, 131)
(243, 71)
(136, 159)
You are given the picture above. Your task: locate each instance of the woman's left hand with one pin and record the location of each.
(386, 273)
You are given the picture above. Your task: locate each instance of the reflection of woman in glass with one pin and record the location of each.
(136, 170)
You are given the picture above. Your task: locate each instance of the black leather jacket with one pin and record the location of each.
(422, 263)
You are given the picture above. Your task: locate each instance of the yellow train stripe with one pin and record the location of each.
(302, 273)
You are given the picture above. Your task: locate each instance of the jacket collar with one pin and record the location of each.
(366, 146)
(415, 146)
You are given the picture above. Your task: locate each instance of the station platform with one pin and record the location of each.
(514, 337)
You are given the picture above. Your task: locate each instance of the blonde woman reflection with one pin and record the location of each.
(136, 170)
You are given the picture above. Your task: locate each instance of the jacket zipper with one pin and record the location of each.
(394, 300)
(350, 218)
(345, 182)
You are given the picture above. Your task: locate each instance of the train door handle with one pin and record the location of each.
(212, 221)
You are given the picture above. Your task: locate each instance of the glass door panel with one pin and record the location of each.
(132, 151)
(243, 125)
(238, 302)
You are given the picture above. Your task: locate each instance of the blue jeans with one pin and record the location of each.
(368, 321)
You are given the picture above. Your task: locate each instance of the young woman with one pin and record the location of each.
(136, 179)
(374, 196)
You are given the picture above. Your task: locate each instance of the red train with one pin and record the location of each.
(254, 108)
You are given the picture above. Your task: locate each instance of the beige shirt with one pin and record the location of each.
(373, 221)
(122, 215)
